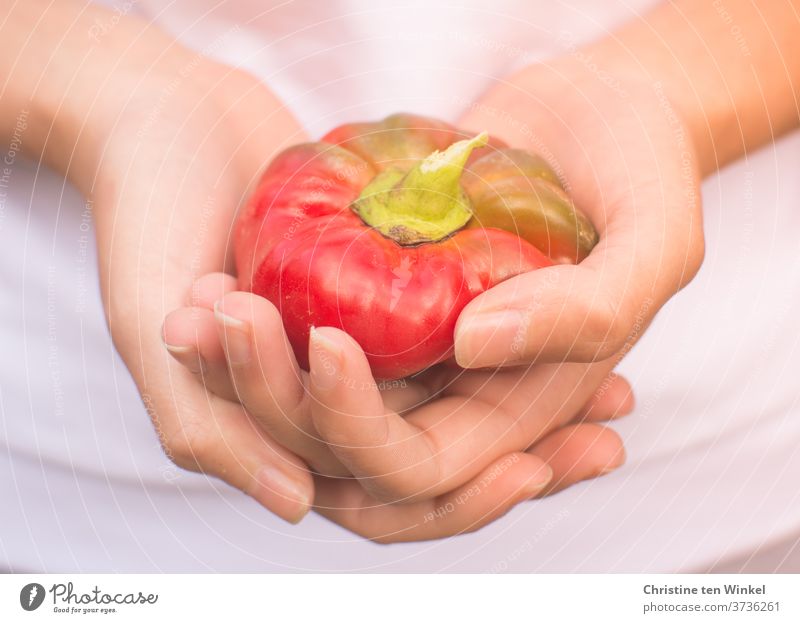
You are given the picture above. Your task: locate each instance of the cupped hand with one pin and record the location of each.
(182, 143)
(626, 157)
(389, 454)
(627, 160)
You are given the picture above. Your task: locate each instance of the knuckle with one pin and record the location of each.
(696, 255)
(193, 294)
(179, 451)
(361, 522)
(120, 335)
(186, 446)
(354, 437)
(389, 490)
(606, 327)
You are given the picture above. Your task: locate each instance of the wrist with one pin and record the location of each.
(606, 75)
(544, 107)
(70, 82)
(732, 73)
(701, 120)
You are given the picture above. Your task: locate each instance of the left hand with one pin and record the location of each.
(627, 159)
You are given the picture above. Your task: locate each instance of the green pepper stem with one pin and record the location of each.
(425, 204)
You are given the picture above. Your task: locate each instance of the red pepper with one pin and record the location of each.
(380, 230)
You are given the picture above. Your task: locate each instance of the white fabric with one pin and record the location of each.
(712, 468)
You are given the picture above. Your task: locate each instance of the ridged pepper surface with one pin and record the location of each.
(387, 230)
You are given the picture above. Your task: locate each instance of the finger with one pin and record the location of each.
(561, 313)
(190, 336)
(478, 417)
(521, 405)
(378, 446)
(266, 377)
(587, 312)
(210, 288)
(217, 438)
(492, 493)
(579, 452)
(613, 399)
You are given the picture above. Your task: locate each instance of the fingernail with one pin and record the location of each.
(491, 338)
(325, 356)
(178, 350)
(237, 337)
(281, 494)
(628, 404)
(617, 462)
(187, 356)
(541, 478)
(538, 481)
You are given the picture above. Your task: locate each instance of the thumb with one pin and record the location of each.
(585, 312)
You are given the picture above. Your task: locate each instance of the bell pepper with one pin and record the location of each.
(387, 230)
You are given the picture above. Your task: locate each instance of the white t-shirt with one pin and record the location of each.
(712, 445)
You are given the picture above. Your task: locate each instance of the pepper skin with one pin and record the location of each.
(374, 230)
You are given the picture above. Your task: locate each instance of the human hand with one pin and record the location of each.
(629, 164)
(444, 439)
(180, 146)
